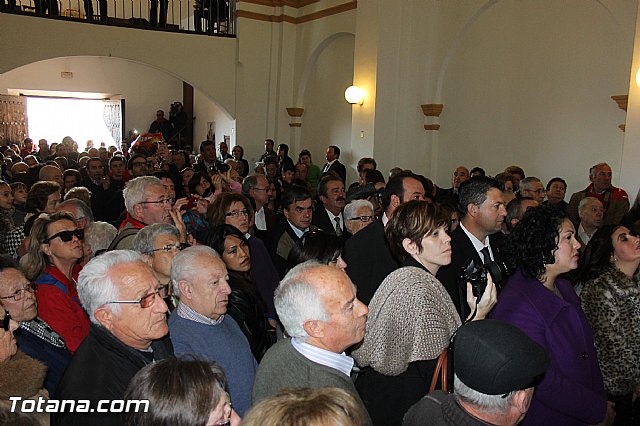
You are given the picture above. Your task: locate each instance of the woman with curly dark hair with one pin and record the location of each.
(542, 247)
(611, 301)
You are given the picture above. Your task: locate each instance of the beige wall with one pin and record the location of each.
(630, 178)
(521, 82)
(205, 110)
(150, 90)
(207, 63)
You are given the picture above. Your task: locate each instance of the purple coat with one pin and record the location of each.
(572, 391)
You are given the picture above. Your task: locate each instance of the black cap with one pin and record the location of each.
(495, 358)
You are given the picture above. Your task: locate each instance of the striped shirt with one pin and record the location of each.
(184, 311)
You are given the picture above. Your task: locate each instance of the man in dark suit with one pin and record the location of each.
(333, 164)
(224, 152)
(297, 208)
(208, 157)
(257, 189)
(106, 200)
(450, 195)
(367, 253)
(478, 236)
(328, 214)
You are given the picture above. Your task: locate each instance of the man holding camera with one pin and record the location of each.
(478, 237)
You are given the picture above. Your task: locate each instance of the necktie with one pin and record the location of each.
(485, 254)
(338, 228)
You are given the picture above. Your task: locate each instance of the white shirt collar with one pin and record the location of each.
(340, 362)
(477, 244)
(299, 233)
(385, 219)
(260, 219)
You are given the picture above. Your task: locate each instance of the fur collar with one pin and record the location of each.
(22, 376)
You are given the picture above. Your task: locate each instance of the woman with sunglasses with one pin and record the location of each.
(52, 264)
(246, 306)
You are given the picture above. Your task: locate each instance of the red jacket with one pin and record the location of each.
(59, 306)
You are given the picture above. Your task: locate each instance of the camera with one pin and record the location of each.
(477, 275)
(219, 167)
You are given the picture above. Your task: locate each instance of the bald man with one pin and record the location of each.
(51, 173)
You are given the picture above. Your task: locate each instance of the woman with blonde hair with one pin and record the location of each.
(52, 264)
(309, 407)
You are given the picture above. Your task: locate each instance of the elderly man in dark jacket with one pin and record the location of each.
(128, 331)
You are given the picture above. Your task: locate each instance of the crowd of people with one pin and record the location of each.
(224, 292)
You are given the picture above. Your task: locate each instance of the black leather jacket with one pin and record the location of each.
(247, 308)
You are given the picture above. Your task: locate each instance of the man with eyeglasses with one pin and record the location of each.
(159, 244)
(256, 187)
(297, 208)
(200, 326)
(106, 200)
(147, 202)
(358, 214)
(137, 165)
(532, 187)
(128, 331)
(34, 336)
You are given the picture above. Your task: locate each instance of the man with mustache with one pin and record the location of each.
(328, 215)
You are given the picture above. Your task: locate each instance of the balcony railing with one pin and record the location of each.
(210, 17)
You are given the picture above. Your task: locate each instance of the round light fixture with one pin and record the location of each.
(354, 95)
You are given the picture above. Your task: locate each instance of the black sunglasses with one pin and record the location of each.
(6, 321)
(66, 236)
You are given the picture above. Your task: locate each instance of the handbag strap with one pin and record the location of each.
(442, 370)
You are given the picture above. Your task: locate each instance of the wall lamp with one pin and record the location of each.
(354, 95)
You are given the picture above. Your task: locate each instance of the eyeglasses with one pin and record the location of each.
(168, 201)
(364, 218)
(6, 321)
(172, 248)
(19, 295)
(146, 301)
(66, 236)
(236, 213)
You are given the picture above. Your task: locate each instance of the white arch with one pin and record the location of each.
(311, 64)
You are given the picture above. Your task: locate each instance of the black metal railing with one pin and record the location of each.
(212, 17)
